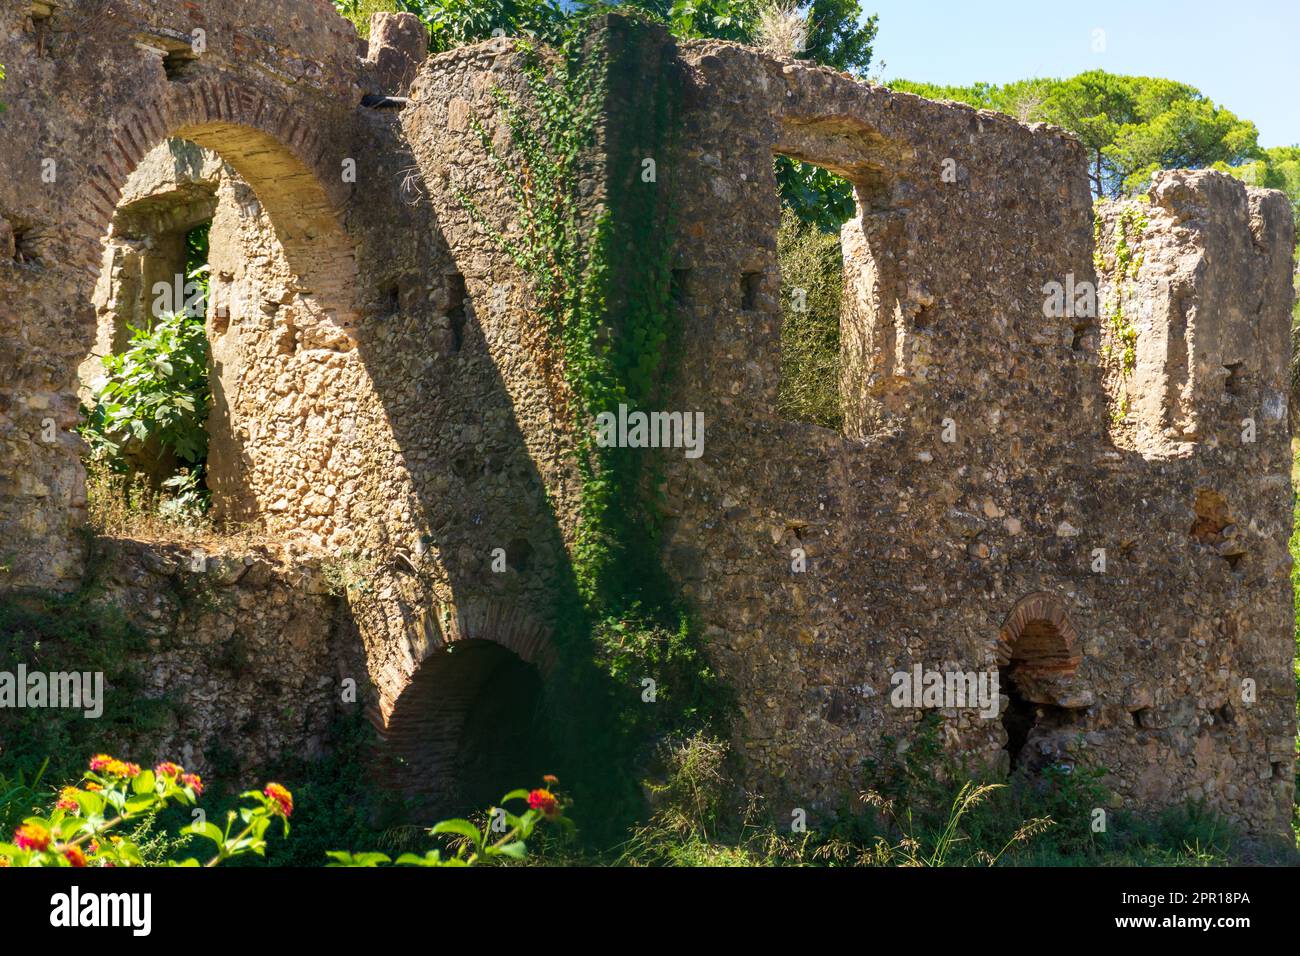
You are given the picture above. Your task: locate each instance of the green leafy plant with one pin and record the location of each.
(154, 398)
(85, 826)
(502, 837)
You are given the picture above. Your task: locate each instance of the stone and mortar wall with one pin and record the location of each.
(926, 551)
(241, 650)
(386, 350)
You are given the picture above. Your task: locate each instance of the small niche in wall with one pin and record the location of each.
(1077, 343)
(456, 296)
(751, 284)
(681, 285)
(179, 64)
(42, 17)
(1232, 384)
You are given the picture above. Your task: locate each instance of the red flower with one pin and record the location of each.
(282, 797)
(68, 799)
(194, 782)
(32, 836)
(169, 770)
(74, 855)
(129, 770)
(544, 801)
(100, 762)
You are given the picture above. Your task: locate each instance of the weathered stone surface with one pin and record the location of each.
(388, 401)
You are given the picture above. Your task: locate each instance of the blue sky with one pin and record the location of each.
(1245, 56)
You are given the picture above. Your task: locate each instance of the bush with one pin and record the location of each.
(152, 405)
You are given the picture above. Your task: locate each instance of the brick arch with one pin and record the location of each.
(1038, 637)
(273, 146)
(466, 715)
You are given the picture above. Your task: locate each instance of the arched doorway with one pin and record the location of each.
(1037, 661)
(467, 729)
(282, 310)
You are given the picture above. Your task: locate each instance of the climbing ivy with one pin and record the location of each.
(601, 277)
(1129, 226)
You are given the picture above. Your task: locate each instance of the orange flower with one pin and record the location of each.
(68, 799)
(93, 787)
(74, 855)
(100, 762)
(32, 836)
(194, 782)
(544, 801)
(550, 779)
(169, 770)
(4, 861)
(282, 797)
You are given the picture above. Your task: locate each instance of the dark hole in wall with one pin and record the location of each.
(467, 730)
(500, 744)
(25, 245)
(519, 555)
(1017, 719)
(456, 296)
(751, 283)
(392, 299)
(1232, 384)
(179, 64)
(42, 22)
(680, 285)
(1080, 335)
(1277, 769)
(1141, 718)
(1225, 714)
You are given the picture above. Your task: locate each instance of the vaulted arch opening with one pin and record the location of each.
(205, 378)
(467, 729)
(1037, 664)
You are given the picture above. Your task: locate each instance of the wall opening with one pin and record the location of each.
(811, 258)
(1036, 671)
(467, 729)
(146, 387)
(223, 289)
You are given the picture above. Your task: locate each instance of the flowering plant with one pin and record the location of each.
(501, 837)
(78, 831)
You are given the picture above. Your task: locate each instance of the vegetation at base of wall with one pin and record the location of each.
(1294, 546)
(75, 632)
(919, 808)
(812, 281)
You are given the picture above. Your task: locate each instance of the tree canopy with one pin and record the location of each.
(1130, 125)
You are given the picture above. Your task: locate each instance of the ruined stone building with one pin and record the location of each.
(1093, 503)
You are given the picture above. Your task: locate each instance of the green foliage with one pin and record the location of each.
(1130, 125)
(815, 195)
(77, 632)
(85, 826)
(501, 838)
(811, 261)
(154, 397)
(838, 37)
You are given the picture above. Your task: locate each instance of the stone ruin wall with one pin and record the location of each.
(388, 407)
